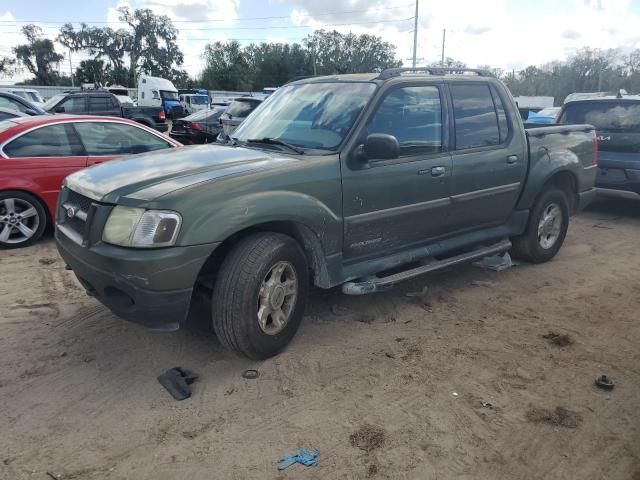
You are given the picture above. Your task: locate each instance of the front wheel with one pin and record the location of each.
(546, 228)
(22, 219)
(260, 295)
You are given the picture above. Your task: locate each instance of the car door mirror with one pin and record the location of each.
(380, 146)
(59, 110)
(31, 112)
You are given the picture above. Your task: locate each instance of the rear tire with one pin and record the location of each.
(22, 219)
(546, 228)
(260, 295)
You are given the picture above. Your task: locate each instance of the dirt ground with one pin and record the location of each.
(482, 375)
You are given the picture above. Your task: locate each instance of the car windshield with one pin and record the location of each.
(603, 115)
(168, 95)
(52, 101)
(308, 115)
(199, 100)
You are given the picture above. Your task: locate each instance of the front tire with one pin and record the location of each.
(22, 219)
(260, 295)
(546, 229)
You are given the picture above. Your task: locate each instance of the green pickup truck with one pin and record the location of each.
(355, 180)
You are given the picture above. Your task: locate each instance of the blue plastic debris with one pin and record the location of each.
(302, 456)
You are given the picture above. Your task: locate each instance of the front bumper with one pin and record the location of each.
(152, 287)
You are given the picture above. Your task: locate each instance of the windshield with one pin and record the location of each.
(604, 115)
(308, 115)
(52, 101)
(168, 95)
(199, 100)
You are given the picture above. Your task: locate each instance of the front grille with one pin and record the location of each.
(73, 213)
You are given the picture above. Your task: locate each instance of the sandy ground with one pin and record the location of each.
(456, 383)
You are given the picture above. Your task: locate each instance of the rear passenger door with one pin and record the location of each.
(103, 105)
(489, 156)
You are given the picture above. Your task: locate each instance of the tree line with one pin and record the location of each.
(148, 44)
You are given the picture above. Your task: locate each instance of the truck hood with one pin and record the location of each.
(151, 175)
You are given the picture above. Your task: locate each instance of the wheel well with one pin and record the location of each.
(43, 204)
(567, 183)
(305, 236)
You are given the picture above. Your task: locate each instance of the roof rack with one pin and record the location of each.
(396, 72)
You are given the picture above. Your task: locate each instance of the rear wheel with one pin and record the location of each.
(260, 295)
(22, 219)
(546, 228)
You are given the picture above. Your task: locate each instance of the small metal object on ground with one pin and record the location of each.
(604, 383)
(250, 374)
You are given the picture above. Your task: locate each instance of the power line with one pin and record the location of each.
(286, 26)
(224, 20)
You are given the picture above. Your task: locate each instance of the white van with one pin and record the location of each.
(194, 102)
(157, 92)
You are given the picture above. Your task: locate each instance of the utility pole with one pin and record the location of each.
(71, 69)
(444, 32)
(415, 35)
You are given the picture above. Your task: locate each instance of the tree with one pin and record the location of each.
(149, 42)
(91, 71)
(38, 55)
(228, 67)
(7, 66)
(152, 43)
(334, 53)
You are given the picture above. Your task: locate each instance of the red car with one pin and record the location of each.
(37, 153)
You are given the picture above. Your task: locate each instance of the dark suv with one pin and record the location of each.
(617, 121)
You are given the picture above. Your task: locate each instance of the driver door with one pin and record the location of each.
(390, 205)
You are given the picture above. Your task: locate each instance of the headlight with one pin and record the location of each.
(137, 227)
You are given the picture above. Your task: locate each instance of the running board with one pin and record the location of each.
(376, 284)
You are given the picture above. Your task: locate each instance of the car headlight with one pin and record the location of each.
(140, 228)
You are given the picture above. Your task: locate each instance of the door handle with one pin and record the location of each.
(438, 171)
(511, 159)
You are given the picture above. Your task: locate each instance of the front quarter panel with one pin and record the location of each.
(306, 191)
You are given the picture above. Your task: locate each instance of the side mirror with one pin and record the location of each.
(381, 146)
(31, 112)
(59, 110)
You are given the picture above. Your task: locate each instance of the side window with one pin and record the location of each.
(503, 124)
(142, 93)
(51, 141)
(99, 104)
(414, 116)
(475, 116)
(73, 105)
(106, 138)
(12, 104)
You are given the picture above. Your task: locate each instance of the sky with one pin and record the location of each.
(509, 34)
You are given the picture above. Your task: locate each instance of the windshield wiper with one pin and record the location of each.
(276, 141)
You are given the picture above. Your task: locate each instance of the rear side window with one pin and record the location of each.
(12, 104)
(50, 141)
(242, 108)
(622, 116)
(100, 104)
(106, 138)
(413, 115)
(476, 120)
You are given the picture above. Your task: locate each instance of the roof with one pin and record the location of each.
(599, 98)
(413, 73)
(37, 120)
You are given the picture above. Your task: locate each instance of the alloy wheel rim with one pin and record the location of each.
(550, 226)
(277, 298)
(19, 220)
